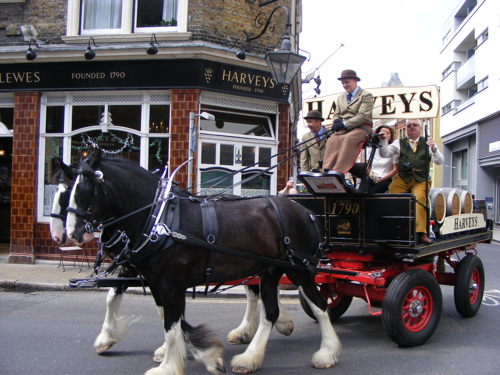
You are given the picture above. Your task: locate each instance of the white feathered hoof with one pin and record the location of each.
(237, 337)
(324, 359)
(101, 345)
(160, 353)
(244, 364)
(284, 325)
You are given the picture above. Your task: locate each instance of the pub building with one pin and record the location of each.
(140, 90)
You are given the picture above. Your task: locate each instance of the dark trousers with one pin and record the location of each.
(367, 185)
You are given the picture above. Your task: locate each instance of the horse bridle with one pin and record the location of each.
(91, 225)
(61, 197)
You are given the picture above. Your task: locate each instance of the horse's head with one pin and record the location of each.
(64, 177)
(87, 203)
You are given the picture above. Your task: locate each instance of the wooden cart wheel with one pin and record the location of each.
(337, 303)
(412, 307)
(469, 286)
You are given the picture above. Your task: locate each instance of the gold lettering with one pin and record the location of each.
(235, 77)
(226, 75)
(257, 81)
(243, 78)
(251, 78)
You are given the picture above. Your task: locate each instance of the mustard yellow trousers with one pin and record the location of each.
(398, 186)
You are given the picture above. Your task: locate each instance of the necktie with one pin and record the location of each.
(414, 146)
(318, 139)
(349, 97)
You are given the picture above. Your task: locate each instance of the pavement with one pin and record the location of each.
(46, 275)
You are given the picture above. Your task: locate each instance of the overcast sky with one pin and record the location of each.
(379, 38)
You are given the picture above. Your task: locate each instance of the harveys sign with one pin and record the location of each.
(388, 103)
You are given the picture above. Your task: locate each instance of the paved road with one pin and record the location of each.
(52, 333)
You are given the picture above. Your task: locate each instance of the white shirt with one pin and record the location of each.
(382, 166)
(395, 149)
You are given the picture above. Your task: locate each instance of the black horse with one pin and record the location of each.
(114, 327)
(267, 236)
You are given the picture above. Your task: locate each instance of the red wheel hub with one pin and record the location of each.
(474, 284)
(417, 309)
(332, 298)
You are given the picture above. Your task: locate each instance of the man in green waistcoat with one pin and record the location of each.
(412, 168)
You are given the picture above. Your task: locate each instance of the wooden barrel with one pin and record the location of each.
(466, 205)
(452, 201)
(438, 205)
(479, 207)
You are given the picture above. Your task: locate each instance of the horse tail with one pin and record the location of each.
(200, 336)
(205, 346)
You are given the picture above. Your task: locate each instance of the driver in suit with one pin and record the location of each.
(352, 121)
(313, 144)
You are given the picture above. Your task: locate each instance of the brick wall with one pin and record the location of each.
(215, 20)
(46, 248)
(24, 173)
(48, 17)
(182, 103)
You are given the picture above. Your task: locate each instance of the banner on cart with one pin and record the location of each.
(388, 103)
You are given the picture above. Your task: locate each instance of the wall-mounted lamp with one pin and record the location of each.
(30, 54)
(283, 63)
(89, 54)
(152, 49)
(2, 152)
(241, 54)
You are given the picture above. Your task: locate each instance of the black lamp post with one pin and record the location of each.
(283, 63)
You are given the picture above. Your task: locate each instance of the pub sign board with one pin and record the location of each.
(141, 75)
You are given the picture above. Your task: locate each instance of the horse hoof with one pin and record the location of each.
(238, 341)
(240, 370)
(158, 358)
(103, 348)
(324, 365)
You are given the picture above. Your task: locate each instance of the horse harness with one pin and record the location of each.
(164, 221)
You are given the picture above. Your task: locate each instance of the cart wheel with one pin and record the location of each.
(469, 286)
(337, 303)
(412, 307)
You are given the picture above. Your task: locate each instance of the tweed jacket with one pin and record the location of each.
(310, 156)
(356, 113)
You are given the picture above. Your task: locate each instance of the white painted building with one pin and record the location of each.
(470, 105)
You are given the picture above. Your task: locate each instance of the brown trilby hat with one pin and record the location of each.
(314, 115)
(349, 73)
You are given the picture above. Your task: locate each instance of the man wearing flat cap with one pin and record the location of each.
(352, 121)
(313, 145)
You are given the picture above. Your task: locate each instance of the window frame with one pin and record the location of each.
(74, 16)
(144, 98)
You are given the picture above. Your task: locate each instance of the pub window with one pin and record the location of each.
(236, 123)
(119, 115)
(7, 117)
(226, 154)
(69, 130)
(127, 16)
(208, 151)
(237, 139)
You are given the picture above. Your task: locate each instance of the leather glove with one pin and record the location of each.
(338, 125)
